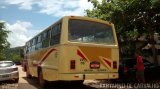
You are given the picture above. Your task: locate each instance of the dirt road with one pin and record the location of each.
(22, 74)
(25, 83)
(32, 83)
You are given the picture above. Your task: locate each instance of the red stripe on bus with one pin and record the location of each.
(81, 55)
(108, 62)
(44, 58)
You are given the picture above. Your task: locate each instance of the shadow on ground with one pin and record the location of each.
(33, 84)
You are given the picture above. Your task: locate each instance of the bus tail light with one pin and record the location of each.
(72, 64)
(114, 64)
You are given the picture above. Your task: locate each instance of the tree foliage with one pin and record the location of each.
(14, 54)
(132, 18)
(4, 44)
(16, 57)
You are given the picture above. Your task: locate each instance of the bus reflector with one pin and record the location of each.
(76, 76)
(72, 64)
(114, 64)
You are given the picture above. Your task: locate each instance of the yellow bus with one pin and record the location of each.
(74, 49)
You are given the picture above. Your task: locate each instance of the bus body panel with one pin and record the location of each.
(75, 60)
(34, 59)
(47, 59)
(50, 65)
(102, 55)
(57, 64)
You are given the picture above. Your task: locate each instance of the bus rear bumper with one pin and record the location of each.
(70, 77)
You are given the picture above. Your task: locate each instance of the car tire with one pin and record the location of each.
(28, 75)
(42, 82)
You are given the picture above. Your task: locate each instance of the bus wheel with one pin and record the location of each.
(79, 82)
(16, 80)
(42, 82)
(28, 75)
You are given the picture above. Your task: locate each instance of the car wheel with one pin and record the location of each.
(42, 82)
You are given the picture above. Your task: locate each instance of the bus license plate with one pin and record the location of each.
(94, 65)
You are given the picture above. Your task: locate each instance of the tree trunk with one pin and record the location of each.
(151, 31)
(154, 53)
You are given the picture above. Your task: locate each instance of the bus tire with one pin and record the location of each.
(78, 82)
(16, 80)
(42, 82)
(28, 75)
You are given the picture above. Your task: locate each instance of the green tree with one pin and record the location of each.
(15, 57)
(4, 44)
(114, 11)
(145, 17)
(14, 54)
(132, 19)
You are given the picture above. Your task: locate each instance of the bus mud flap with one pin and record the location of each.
(84, 76)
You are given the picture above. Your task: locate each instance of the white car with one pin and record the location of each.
(8, 71)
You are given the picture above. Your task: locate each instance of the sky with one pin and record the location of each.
(26, 18)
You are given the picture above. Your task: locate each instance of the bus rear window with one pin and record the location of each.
(90, 32)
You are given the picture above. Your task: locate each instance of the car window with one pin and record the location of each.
(6, 64)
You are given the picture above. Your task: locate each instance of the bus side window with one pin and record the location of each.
(44, 36)
(33, 44)
(46, 39)
(26, 50)
(49, 33)
(55, 34)
(36, 42)
(30, 46)
(39, 43)
(39, 38)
